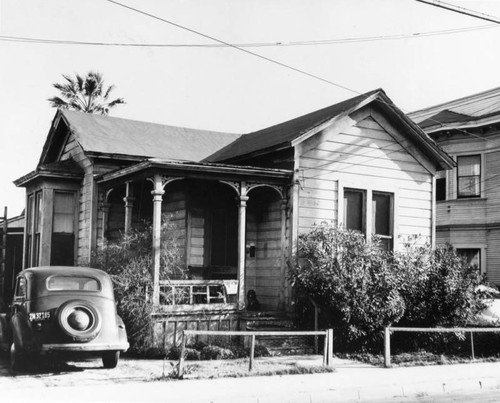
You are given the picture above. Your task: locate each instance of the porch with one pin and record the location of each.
(232, 230)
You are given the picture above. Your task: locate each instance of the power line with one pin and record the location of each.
(320, 42)
(224, 43)
(461, 10)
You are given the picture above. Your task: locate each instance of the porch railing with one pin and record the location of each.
(197, 292)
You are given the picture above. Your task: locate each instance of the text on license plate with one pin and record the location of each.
(39, 316)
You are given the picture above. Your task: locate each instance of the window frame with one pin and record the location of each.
(368, 213)
(458, 176)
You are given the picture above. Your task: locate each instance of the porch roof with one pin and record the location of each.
(198, 170)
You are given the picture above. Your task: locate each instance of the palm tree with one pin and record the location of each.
(87, 94)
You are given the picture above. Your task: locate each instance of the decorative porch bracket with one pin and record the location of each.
(159, 183)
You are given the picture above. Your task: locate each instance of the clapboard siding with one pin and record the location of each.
(363, 156)
(493, 256)
(267, 262)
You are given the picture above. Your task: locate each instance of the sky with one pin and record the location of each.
(419, 54)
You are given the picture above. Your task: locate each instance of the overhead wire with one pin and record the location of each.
(268, 59)
(339, 41)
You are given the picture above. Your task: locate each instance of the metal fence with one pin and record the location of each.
(249, 349)
(464, 330)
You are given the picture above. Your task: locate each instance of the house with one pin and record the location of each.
(11, 254)
(468, 196)
(239, 202)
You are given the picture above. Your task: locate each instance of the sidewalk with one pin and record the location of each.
(352, 382)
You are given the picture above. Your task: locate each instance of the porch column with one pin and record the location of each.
(283, 285)
(242, 212)
(129, 205)
(104, 227)
(157, 193)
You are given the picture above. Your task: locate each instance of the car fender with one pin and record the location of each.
(122, 332)
(5, 333)
(22, 335)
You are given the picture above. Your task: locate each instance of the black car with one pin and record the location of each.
(63, 310)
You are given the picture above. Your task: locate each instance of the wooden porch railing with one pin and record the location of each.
(197, 292)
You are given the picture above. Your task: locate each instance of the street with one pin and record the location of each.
(141, 381)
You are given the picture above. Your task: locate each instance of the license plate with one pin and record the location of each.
(39, 316)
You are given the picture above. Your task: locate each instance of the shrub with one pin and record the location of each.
(129, 263)
(362, 289)
(216, 353)
(438, 286)
(349, 278)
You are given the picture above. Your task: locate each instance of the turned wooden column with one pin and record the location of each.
(157, 193)
(242, 211)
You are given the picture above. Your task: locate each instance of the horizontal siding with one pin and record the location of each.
(364, 156)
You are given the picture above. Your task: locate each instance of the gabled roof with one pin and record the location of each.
(474, 110)
(285, 134)
(105, 135)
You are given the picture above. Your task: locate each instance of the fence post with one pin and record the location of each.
(325, 349)
(252, 353)
(387, 347)
(183, 352)
(472, 344)
(330, 348)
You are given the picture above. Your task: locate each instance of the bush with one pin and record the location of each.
(129, 263)
(351, 280)
(216, 353)
(362, 289)
(438, 286)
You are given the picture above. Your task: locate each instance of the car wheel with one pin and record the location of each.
(110, 359)
(79, 320)
(17, 359)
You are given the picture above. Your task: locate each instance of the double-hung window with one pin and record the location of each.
(370, 212)
(469, 176)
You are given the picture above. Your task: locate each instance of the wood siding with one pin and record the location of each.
(473, 222)
(364, 156)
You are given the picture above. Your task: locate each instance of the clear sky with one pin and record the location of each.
(419, 54)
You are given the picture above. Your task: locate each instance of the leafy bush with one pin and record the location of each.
(438, 286)
(216, 353)
(349, 278)
(361, 289)
(129, 263)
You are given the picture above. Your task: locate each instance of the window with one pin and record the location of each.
(33, 229)
(441, 185)
(63, 232)
(20, 288)
(469, 176)
(354, 209)
(378, 218)
(66, 283)
(382, 211)
(472, 256)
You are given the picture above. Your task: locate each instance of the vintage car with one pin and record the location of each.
(63, 311)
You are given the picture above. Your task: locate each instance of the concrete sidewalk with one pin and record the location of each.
(352, 382)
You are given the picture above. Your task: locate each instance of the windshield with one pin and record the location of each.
(66, 283)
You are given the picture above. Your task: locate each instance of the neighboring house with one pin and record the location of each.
(239, 202)
(468, 196)
(11, 256)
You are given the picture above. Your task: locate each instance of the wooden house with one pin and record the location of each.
(468, 196)
(239, 202)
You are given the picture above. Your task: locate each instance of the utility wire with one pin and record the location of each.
(461, 10)
(319, 42)
(224, 43)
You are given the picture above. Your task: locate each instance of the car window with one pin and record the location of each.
(21, 288)
(66, 283)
